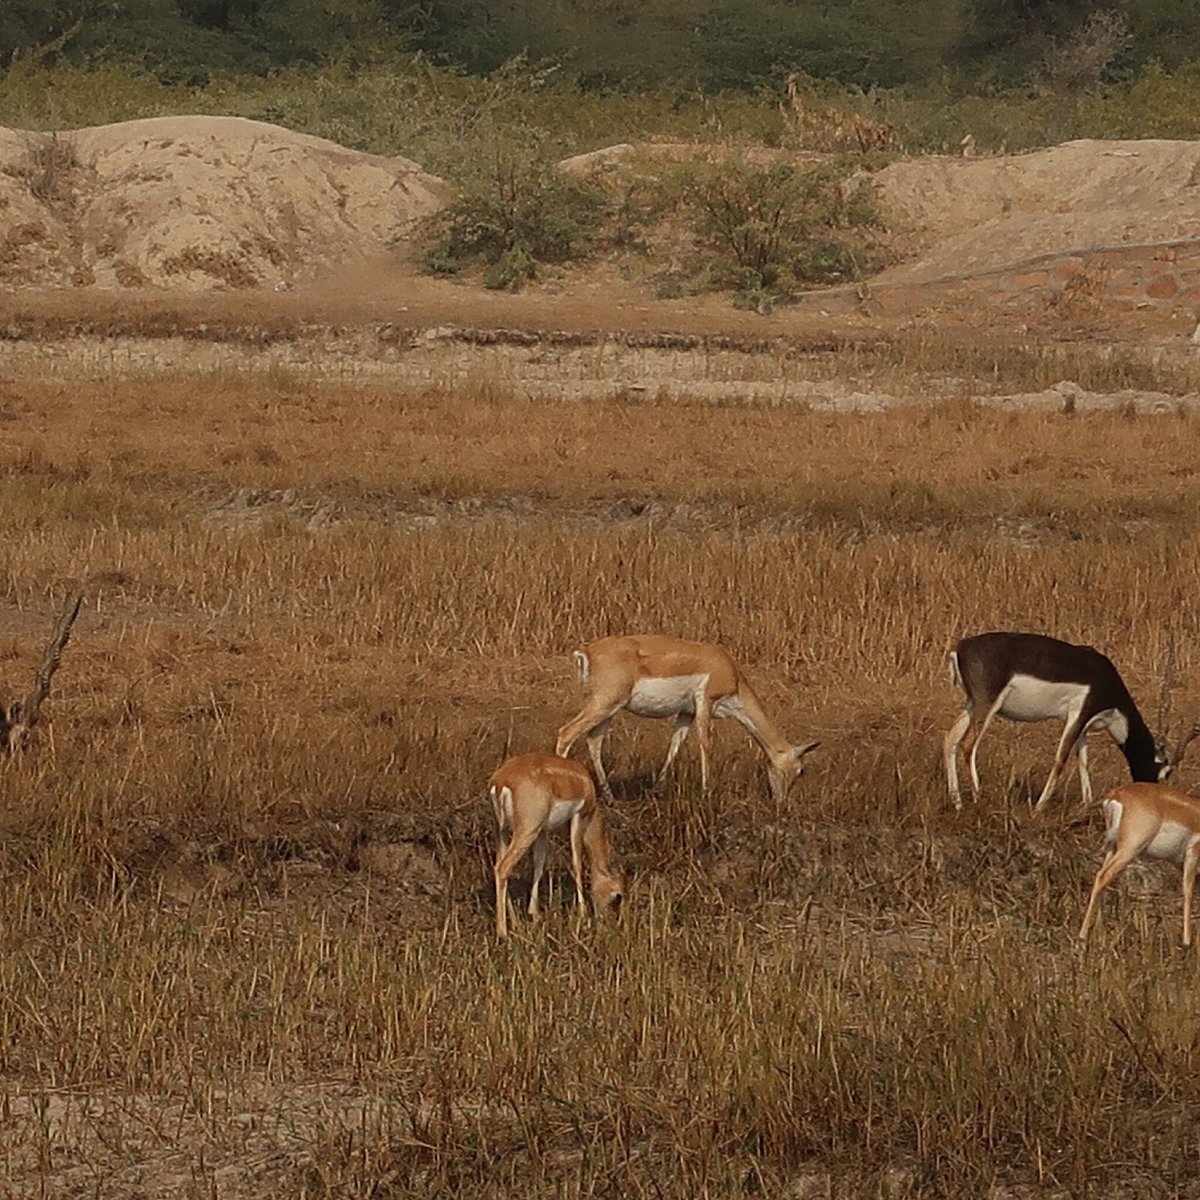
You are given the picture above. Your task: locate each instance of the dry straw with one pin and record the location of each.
(245, 863)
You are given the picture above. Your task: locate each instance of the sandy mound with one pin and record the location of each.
(626, 156)
(961, 216)
(195, 202)
(220, 202)
(979, 214)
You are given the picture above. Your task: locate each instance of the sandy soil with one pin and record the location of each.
(200, 204)
(979, 214)
(196, 203)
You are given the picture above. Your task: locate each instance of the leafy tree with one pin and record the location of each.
(1013, 35)
(1162, 31)
(864, 42)
(710, 45)
(41, 26)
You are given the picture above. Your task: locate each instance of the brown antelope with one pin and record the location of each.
(18, 719)
(1029, 677)
(656, 676)
(1158, 821)
(533, 794)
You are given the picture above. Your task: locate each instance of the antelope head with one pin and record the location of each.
(1169, 758)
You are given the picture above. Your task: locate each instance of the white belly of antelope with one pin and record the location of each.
(561, 811)
(1030, 699)
(1170, 842)
(666, 696)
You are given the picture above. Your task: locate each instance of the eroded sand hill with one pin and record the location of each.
(979, 214)
(221, 203)
(195, 202)
(959, 216)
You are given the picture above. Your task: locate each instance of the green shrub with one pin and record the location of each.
(769, 231)
(1155, 103)
(522, 215)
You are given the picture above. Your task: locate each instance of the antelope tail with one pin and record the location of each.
(582, 665)
(1112, 820)
(501, 798)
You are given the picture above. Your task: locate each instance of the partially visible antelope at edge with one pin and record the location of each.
(1030, 677)
(533, 794)
(18, 719)
(656, 676)
(1153, 820)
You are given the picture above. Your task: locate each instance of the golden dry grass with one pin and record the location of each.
(245, 945)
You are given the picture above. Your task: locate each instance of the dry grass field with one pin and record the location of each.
(246, 939)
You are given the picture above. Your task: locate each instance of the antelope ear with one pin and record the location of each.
(807, 748)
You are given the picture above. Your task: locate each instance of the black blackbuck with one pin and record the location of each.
(1030, 677)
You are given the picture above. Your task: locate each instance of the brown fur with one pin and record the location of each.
(536, 782)
(614, 667)
(1145, 809)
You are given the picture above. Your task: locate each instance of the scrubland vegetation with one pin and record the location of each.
(451, 85)
(496, 127)
(452, 124)
(246, 941)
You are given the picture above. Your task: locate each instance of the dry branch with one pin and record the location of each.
(22, 715)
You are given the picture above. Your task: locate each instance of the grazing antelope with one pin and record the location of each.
(18, 719)
(1029, 677)
(1158, 821)
(533, 794)
(656, 676)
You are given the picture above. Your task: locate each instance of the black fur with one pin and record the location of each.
(987, 661)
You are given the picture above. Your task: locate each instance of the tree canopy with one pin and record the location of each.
(707, 45)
